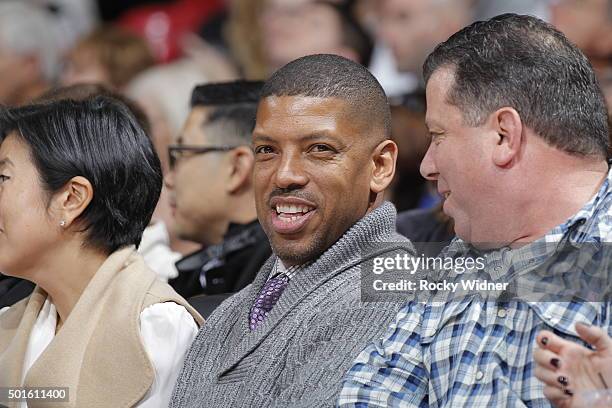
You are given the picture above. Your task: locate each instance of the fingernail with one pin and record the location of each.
(562, 380)
(585, 324)
(555, 362)
(544, 340)
(568, 392)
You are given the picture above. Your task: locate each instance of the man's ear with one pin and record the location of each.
(383, 161)
(509, 127)
(241, 169)
(72, 200)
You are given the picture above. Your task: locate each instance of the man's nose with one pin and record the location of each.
(429, 169)
(290, 172)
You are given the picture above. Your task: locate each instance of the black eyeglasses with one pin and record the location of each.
(177, 152)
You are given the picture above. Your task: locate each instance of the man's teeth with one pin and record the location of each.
(298, 210)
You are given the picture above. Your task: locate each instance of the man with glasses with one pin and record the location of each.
(211, 191)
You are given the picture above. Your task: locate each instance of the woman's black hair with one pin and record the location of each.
(100, 139)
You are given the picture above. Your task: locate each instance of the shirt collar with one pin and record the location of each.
(590, 224)
(291, 271)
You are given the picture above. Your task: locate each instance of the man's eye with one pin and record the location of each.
(3, 178)
(320, 148)
(264, 150)
(436, 137)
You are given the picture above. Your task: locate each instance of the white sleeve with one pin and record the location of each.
(156, 251)
(167, 331)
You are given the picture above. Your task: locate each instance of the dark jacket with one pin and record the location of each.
(12, 290)
(428, 229)
(224, 268)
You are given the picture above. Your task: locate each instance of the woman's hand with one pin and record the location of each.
(571, 373)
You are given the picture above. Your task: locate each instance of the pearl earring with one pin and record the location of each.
(62, 223)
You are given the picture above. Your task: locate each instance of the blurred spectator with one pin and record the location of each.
(112, 9)
(588, 24)
(73, 18)
(108, 55)
(292, 29)
(429, 230)
(384, 68)
(420, 217)
(165, 25)
(29, 51)
(163, 93)
(83, 91)
(244, 36)
(412, 28)
(409, 189)
(485, 9)
(212, 193)
(215, 62)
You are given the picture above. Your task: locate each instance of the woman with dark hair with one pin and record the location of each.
(79, 181)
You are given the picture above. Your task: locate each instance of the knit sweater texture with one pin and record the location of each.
(299, 354)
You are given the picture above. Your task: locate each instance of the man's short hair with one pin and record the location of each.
(332, 76)
(100, 139)
(524, 63)
(232, 109)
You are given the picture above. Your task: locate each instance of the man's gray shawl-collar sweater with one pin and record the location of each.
(299, 354)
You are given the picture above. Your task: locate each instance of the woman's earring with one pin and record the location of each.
(62, 223)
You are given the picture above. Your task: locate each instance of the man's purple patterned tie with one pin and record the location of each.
(267, 298)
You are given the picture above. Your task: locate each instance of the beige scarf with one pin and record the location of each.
(98, 353)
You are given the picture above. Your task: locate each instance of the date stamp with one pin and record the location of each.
(40, 394)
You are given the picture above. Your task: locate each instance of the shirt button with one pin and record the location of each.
(501, 313)
(479, 376)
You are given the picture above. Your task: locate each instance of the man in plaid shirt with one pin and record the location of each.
(519, 147)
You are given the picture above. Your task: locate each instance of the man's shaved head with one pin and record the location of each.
(332, 76)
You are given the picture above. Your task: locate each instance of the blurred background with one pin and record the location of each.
(154, 52)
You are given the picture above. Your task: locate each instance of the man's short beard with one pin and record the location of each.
(289, 257)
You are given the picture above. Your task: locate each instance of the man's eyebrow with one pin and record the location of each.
(262, 138)
(306, 138)
(318, 136)
(431, 123)
(6, 161)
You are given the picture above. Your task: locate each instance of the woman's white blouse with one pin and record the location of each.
(167, 330)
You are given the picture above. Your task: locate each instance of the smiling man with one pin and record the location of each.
(323, 159)
(519, 146)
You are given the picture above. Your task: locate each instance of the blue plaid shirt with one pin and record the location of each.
(473, 352)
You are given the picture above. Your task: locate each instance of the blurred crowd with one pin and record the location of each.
(154, 53)
(191, 73)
